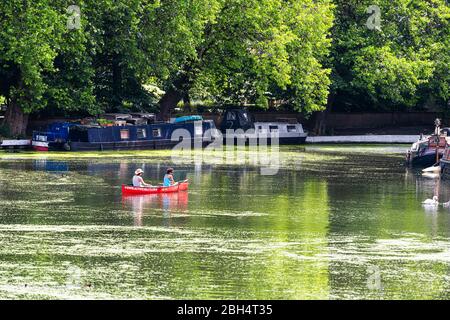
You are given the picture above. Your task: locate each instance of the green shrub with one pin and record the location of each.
(104, 122)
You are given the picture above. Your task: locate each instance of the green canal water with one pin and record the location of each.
(335, 222)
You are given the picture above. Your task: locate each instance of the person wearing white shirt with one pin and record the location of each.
(138, 181)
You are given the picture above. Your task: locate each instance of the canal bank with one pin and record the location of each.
(357, 139)
(341, 139)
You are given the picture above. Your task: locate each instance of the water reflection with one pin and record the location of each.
(51, 165)
(166, 203)
(329, 229)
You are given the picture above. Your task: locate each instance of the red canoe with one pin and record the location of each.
(129, 190)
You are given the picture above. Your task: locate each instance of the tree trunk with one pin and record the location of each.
(116, 82)
(168, 102)
(187, 102)
(179, 89)
(183, 82)
(322, 117)
(16, 119)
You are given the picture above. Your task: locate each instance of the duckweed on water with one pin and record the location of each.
(343, 148)
(283, 158)
(314, 230)
(161, 154)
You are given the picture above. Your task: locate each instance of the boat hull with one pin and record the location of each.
(129, 190)
(423, 152)
(296, 140)
(129, 145)
(40, 146)
(426, 160)
(280, 140)
(445, 169)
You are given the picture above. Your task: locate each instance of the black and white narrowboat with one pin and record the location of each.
(239, 124)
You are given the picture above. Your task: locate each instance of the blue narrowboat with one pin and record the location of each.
(133, 137)
(54, 138)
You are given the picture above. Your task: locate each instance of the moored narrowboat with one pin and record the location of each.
(239, 124)
(288, 132)
(428, 150)
(52, 139)
(445, 162)
(127, 137)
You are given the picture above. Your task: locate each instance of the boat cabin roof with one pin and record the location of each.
(288, 120)
(116, 116)
(275, 124)
(142, 115)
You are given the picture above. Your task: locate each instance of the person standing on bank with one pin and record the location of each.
(168, 178)
(138, 181)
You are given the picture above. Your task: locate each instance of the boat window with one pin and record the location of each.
(156, 132)
(124, 134)
(273, 128)
(260, 128)
(41, 138)
(141, 133)
(291, 129)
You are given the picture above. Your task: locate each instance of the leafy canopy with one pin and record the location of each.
(403, 63)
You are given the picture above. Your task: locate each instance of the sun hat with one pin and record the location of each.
(138, 171)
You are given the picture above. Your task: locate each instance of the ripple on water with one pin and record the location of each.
(314, 231)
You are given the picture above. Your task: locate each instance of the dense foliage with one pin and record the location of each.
(118, 55)
(403, 63)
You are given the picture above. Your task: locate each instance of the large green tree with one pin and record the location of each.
(241, 50)
(116, 31)
(229, 51)
(401, 63)
(233, 50)
(41, 60)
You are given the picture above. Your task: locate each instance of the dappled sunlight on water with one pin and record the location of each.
(322, 228)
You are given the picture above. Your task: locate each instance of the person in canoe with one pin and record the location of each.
(168, 178)
(138, 181)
